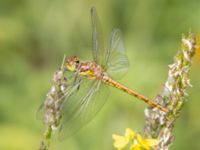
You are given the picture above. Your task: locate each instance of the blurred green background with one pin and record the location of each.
(35, 35)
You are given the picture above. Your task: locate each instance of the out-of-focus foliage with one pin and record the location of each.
(35, 35)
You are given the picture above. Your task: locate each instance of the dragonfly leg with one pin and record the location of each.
(77, 79)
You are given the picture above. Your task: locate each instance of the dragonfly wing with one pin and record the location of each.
(40, 112)
(116, 58)
(98, 48)
(82, 107)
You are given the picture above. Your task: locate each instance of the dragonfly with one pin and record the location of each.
(87, 81)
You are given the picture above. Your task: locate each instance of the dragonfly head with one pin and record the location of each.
(72, 63)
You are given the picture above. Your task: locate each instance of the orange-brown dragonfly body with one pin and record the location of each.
(92, 70)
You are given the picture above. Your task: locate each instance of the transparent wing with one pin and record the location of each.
(98, 49)
(40, 112)
(81, 107)
(116, 59)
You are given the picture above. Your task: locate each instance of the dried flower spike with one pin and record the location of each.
(53, 105)
(160, 125)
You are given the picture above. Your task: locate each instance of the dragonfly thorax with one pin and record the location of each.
(91, 70)
(88, 69)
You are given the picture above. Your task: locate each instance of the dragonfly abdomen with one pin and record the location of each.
(106, 79)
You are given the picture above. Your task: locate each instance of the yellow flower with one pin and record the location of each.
(120, 141)
(135, 140)
(130, 134)
(142, 143)
(136, 147)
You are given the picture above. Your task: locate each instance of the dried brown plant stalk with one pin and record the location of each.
(158, 124)
(51, 109)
